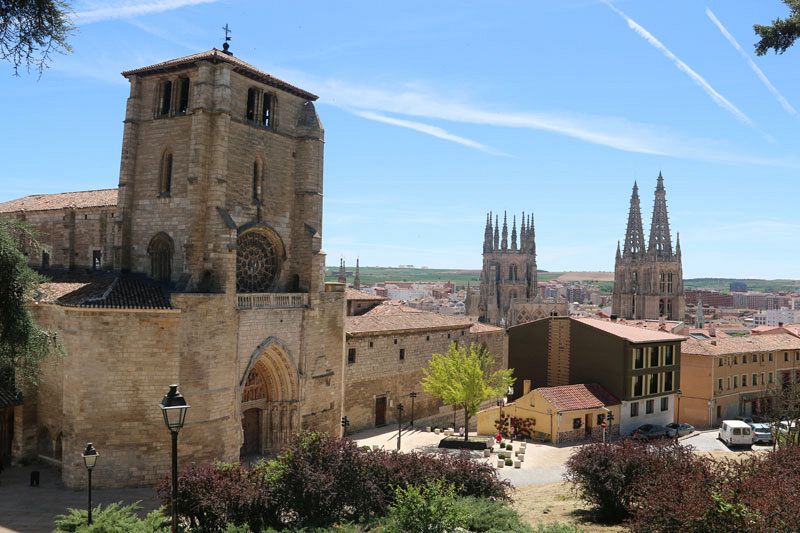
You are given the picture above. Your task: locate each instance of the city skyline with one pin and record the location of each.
(435, 115)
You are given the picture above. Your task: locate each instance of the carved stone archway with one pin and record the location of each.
(270, 394)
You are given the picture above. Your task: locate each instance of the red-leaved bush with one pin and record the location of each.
(318, 481)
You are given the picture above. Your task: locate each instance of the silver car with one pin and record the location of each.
(762, 433)
(679, 430)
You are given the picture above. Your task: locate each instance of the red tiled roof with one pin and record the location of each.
(217, 56)
(353, 294)
(386, 318)
(631, 333)
(64, 200)
(577, 397)
(104, 290)
(479, 327)
(735, 345)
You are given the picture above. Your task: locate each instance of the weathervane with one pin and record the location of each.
(225, 45)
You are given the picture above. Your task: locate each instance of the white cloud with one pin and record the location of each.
(428, 129)
(763, 77)
(718, 99)
(127, 9)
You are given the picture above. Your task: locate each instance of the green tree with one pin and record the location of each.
(23, 344)
(32, 30)
(464, 377)
(781, 34)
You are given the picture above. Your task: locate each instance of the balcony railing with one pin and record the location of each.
(271, 300)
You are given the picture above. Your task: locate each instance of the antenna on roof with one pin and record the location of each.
(225, 45)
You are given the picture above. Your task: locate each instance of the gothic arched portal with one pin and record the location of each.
(269, 399)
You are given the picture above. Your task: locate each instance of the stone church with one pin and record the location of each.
(648, 281)
(204, 268)
(509, 289)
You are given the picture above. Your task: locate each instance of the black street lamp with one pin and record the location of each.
(413, 397)
(345, 425)
(174, 408)
(399, 423)
(501, 423)
(455, 410)
(610, 420)
(677, 412)
(89, 459)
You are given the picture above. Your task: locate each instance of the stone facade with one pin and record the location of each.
(648, 282)
(220, 209)
(509, 293)
(375, 368)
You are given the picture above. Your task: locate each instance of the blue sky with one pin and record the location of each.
(437, 112)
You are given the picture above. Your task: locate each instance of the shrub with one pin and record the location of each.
(557, 527)
(509, 446)
(431, 509)
(509, 462)
(484, 515)
(112, 518)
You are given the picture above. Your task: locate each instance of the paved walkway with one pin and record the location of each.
(33, 509)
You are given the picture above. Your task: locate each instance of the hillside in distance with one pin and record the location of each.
(372, 275)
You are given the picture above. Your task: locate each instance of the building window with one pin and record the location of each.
(256, 182)
(797, 356)
(721, 361)
(719, 411)
(448, 335)
(735, 359)
(371, 344)
(669, 381)
(351, 356)
(402, 353)
(754, 358)
(735, 382)
(669, 356)
(183, 96)
(719, 384)
(744, 380)
(97, 256)
(427, 337)
(638, 385)
(653, 384)
(165, 176)
(576, 423)
(786, 357)
(45, 260)
(665, 403)
(754, 380)
(769, 378)
(648, 407)
(164, 99)
(395, 341)
(729, 383)
(250, 112)
(669, 283)
(770, 357)
(638, 358)
(160, 252)
(462, 332)
(635, 409)
(266, 110)
(653, 357)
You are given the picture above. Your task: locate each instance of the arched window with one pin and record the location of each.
(183, 96)
(252, 95)
(256, 182)
(160, 252)
(256, 263)
(164, 99)
(165, 175)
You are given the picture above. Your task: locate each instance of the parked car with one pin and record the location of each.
(679, 430)
(649, 432)
(735, 433)
(762, 433)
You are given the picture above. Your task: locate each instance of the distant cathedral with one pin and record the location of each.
(509, 291)
(648, 282)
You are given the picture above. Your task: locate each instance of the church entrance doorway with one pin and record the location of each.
(251, 425)
(380, 411)
(269, 401)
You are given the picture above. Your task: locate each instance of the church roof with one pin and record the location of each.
(218, 56)
(64, 200)
(103, 290)
(353, 294)
(395, 318)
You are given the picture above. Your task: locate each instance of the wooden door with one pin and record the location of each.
(380, 411)
(588, 425)
(251, 423)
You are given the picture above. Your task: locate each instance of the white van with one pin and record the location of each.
(736, 433)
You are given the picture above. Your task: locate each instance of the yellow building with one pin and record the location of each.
(557, 414)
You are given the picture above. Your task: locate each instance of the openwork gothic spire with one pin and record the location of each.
(487, 234)
(660, 243)
(514, 233)
(504, 242)
(522, 242)
(634, 234)
(496, 232)
(357, 278)
(530, 233)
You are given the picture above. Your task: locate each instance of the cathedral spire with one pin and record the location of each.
(342, 272)
(660, 244)
(619, 254)
(699, 316)
(496, 233)
(487, 234)
(514, 233)
(357, 278)
(531, 234)
(634, 234)
(504, 241)
(678, 245)
(522, 237)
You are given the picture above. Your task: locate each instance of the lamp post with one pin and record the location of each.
(455, 410)
(399, 423)
(413, 396)
(89, 459)
(610, 420)
(173, 407)
(345, 425)
(500, 423)
(677, 412)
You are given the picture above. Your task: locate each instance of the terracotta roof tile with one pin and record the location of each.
(577, 397)
(479, 327)
(385, 318)
(103, 290)
(631, 333)
(216, 55)
(735, 345)
(353, 294)
(75, 200)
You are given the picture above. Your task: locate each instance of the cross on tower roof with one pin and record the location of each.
(225, 45)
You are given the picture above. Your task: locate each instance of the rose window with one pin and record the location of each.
(256, 263)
